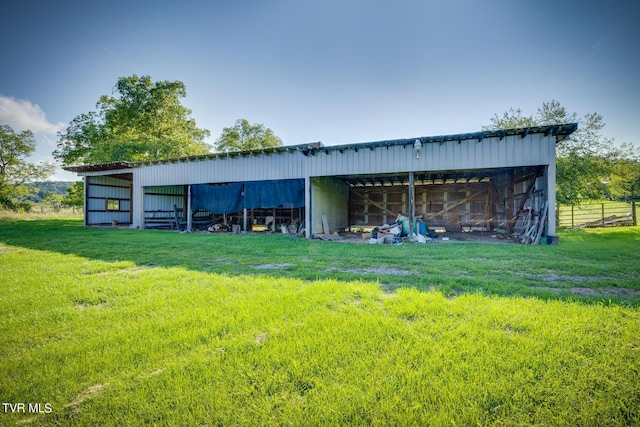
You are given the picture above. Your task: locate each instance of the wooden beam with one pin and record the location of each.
(378, 205)
(448, 208)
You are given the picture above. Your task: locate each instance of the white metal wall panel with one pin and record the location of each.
(109, 192)
(163, 198)
(511, 151)
(109, 172)
(96, 205)
(225, 169)
(108, 217)
(125, 205)
(161, 203)
(172, 190)
(99, 190)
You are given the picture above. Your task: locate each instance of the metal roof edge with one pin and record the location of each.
(99, 167)
(560, 131)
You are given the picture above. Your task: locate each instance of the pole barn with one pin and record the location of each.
(481, 181)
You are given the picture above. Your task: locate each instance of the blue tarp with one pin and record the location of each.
(288, 193)
(218, 199)
(229, 198)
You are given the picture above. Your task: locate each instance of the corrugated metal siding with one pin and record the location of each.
(109, 192)
(98, 218)
(99, 190)
(163, 198)
(96, 205)
(225, 169)
(107, 172)
(511, 151)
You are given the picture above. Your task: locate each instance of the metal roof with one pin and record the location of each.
(100, 167)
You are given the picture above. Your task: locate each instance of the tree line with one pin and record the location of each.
(146, 121)
(589, 166)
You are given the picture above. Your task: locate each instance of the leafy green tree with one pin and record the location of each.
(145, 121)
(625, 177)
(583, 161)
(511, 119)
(75, 195)
(15, 171)
(54, 200)
(243, 136)
(41, 188)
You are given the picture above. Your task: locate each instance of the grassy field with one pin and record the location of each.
(127, 327)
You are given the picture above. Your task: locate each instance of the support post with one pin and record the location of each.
(244, 221)
(412, 204)
(189, 213)
(633, 213)
(273, 223)
(85, 204)
(552, 239)
(307, 207)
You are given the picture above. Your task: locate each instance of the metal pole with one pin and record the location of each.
(189, 213)
(85, 202)
(244, 221)
(308, 199)
(412, 204)
(244, 211)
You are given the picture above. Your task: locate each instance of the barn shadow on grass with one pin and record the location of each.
(456, 269)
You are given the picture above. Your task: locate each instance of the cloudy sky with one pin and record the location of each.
(332, 71)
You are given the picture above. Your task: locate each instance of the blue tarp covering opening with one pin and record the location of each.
(218, 199)
(287, 193)
(229, 198)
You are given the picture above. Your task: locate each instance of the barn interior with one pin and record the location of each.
(253, 206)
(456, 201)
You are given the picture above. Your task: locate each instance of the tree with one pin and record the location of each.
(39, 189)
(75, 195)
(15, 171)
(54, 200)
(583, 162)
(243, 136)
(511, 119)
(625, 179)
(145, 121)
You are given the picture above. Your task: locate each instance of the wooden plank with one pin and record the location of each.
(377, 205)
(175, 217)
(448, 208)
(545, 209)
(325, 224)
(527, 193)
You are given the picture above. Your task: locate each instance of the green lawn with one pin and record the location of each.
(127, 327)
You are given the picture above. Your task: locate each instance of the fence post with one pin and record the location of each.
(602, 204)
(572, 223)
(633, 213)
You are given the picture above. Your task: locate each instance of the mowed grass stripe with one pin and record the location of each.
(116, 342)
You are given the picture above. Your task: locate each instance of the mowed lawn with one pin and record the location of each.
(128, 327)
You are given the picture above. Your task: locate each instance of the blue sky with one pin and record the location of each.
(332, 71)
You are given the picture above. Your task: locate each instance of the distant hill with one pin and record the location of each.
(42, 188)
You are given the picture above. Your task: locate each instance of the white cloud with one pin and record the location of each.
(21, 114)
